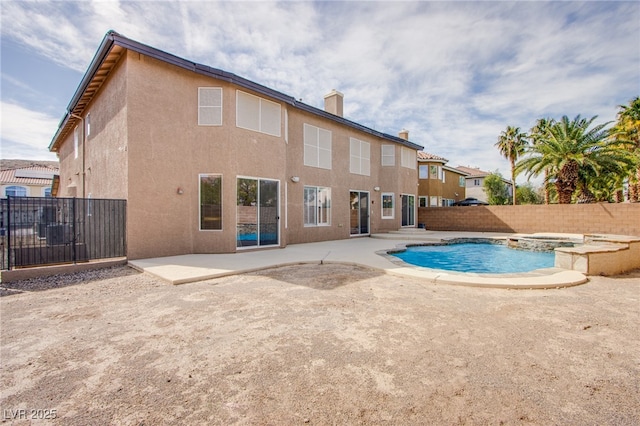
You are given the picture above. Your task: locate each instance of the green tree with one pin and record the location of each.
(512, 143)
(497, 191)
(527, 194)
(536, 136)
(627, 130)
(573, 152)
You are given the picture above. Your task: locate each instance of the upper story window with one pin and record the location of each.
(76, 139)
(46, 192)
(15, 191)
(433, 172)
(209, 106)
(476, 182)
(423, 171)
(360, 157)
(258, 114)
(461, 180)
(408, 158)
(317, 147)
(388, 155)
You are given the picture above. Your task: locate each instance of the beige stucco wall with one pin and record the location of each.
(146, 146)
(397, 180)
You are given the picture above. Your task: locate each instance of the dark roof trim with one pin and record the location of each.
(113, 38)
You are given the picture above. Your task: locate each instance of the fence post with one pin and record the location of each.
(73, 229)
(9, 232)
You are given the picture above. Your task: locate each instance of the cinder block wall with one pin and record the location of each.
(623, 218)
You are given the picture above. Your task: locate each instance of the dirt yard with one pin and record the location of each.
(321, 344)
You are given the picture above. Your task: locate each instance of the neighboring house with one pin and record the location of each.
(210, 162)
(475, 183)
(26, 178)
(438, 184)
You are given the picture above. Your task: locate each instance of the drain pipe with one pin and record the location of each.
(83, 147)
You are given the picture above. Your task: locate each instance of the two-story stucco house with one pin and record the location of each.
(475, 182)
(210, 162)
(439, 185)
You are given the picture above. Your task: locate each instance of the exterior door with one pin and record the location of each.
(257, 212)
(359, 212)
(408, 210)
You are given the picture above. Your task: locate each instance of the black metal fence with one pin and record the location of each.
(43, 231)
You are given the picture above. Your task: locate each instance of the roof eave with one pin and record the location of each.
(113, 38)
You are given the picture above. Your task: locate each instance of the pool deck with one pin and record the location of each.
(362, 251)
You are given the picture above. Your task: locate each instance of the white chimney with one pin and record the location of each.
(333, 102)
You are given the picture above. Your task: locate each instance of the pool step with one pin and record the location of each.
(420, 234)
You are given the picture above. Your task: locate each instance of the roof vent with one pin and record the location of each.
(333, 103)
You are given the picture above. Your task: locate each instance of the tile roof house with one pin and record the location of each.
(26, 178)
(210, 162)
(475, 182)
(439, 185)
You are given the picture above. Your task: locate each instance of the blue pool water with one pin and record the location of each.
(477, 257)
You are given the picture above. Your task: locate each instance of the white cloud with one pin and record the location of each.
(26, 133)
(454, 73)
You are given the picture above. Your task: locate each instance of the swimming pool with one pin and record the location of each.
(476, 257)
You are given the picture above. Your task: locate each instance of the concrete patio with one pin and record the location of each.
(358, 251)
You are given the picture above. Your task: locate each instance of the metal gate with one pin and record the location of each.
(43, 231)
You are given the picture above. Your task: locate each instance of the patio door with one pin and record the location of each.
(257, 212)
(359, 212)
(408, 210)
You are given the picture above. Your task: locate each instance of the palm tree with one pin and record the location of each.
(572, 152)
(512, 143)
(536, 134)
(628, 130)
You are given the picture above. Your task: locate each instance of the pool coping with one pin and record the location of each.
(362, 251)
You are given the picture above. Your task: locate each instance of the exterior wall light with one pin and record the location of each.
(376, 188)
(295, 179)
(180, 191)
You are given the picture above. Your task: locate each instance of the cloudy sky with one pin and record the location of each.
(454, 74)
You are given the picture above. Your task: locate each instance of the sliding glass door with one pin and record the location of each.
(257, 212)
(359, 212)
(408, 210)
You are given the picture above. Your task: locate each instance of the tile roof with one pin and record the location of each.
(28, 176)
(473, 171)
(426, 156)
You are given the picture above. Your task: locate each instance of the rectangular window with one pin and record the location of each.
(257, 114)
(444, 174)
(210, 202)
(360, 157)
(440, 174)
(317, 147)
(76, 137)
(388, 205)
(461, 181)
(476, 182)
(422, 201)
(433, 172)
(423, 171)
(88, 120)
(209, 106)
(317, 206)
(408, 158)
(388, 155)
(433, 202)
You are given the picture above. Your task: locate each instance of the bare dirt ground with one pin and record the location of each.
(321, 344)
